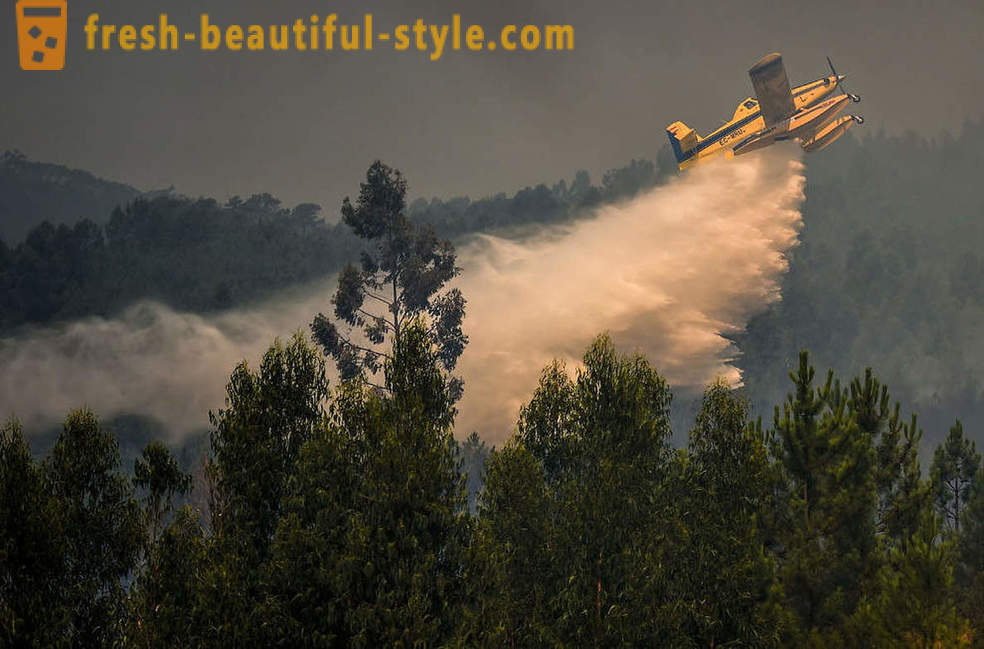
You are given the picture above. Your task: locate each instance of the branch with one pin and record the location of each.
(375, 297)
(368, 350)
(373, 317)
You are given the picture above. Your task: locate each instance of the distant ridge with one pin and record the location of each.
(32, 192)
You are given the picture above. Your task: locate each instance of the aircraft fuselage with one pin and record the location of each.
(746, 131)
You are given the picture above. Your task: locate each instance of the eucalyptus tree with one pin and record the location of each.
(403, 275)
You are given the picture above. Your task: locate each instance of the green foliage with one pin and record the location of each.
(101, 524)
(256, 439)
(163, 588)
(729, 591)
(902, 493)
(403, 273)
(158, 474)
(70, 537)
(955, 465)
(628, 181)
(969, 574)
(368, 552)
(547, 422)
(163, 598)
(256, 442)
(829, 536)
(589, 465)
(34, 598)
(36, 191)
(916, 606)
(339, 518)
(193, 254)
(619, 459)
(540, 204)
(511, 571)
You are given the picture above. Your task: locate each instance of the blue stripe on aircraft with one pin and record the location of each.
(717, 136)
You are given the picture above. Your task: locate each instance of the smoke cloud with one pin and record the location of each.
(667, 274)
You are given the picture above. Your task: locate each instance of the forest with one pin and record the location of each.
(32, 192)
(339, 514)
(202, 255)
(888, 272)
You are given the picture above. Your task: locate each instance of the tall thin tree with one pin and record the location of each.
(403, 275)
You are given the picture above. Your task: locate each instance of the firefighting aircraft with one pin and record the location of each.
(777, 113)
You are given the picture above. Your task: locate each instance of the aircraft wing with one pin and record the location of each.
(772, 89)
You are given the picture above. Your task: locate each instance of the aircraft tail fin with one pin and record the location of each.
(683, 139)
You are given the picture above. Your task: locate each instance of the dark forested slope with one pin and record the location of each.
(32, 192)
(890, 274)
(201, 255)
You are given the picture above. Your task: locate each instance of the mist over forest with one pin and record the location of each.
(888, 272)
(685, 472)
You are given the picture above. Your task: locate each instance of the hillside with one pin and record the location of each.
(889, 274)
(32, 192)
(201, 255)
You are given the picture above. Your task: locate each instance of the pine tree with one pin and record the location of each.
(915, 607)
(829, 461)
(969, 574)
(902, 492)
(955, 464)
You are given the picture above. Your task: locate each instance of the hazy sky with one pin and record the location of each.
(304, 125)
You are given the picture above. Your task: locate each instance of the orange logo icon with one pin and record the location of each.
(42, 26)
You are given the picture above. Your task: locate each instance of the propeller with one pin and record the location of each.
(854, 98)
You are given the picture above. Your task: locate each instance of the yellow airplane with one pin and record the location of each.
(776, 114)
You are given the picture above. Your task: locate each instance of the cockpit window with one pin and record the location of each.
(750, 103)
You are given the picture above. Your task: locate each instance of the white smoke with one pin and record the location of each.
(666, 274)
